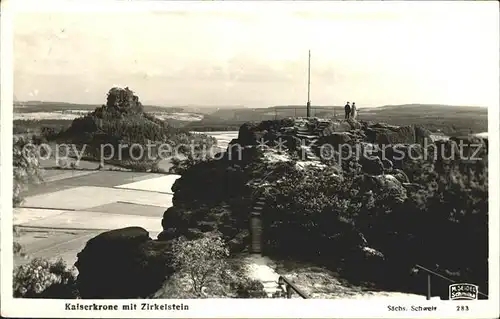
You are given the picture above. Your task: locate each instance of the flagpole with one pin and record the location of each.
(309, 85)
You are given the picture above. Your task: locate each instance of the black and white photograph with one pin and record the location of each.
(174, 158)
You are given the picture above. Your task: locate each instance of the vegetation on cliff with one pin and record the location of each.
(378, 211)
(430, 208)
(121, 123)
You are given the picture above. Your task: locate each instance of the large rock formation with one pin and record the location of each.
(391, 144)
(122, 263)
(385, 134)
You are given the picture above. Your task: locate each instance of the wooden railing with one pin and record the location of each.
(290, 288)
(431, 273)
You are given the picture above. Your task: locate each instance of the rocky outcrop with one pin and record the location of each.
(340, 126)
(385, 134)
(379, 146)
(399, 175)
(422, 135)
(192, 223)
(250, 134)
(372, 165)
(335, 139)
(122, 264)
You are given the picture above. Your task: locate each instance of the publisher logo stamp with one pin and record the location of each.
(464, 292)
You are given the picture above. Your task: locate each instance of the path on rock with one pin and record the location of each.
(262, 269)
(316, 282)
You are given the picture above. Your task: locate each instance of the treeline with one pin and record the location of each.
(450, 127)
(38, 126)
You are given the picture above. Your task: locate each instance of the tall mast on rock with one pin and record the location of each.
(309, 86)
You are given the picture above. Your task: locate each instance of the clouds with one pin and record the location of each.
(387, 56)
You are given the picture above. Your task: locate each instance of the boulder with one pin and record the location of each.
(335, 139)
(335, 126)
(276, 125)
(355, 125)
(399, 175)
(122, 264)
(412, 187)
(250, 134)
(389, 185)
(384, 134)
(398, 154)
(386, 181)
(371, 165)
(422, 135)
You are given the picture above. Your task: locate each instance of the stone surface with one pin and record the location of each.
(336, 139)
(122, 263)
(384, 134)
(371, 165)
(262, 269)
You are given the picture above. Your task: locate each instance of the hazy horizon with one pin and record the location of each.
(383, 53)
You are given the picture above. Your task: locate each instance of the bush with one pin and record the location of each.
(26, 168)
(202, 260)
(203, 270)
(245, 287)
(44, 279)
(18, 250)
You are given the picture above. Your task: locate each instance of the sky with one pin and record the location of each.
(375, 54)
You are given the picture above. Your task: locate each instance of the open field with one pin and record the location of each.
(84, 197)
(60, 216)
(100, 179)
(51, 244)
(73, 114)
(161, 184)
(223, 137)
(54, 243)
(87, 220)
(48, 106)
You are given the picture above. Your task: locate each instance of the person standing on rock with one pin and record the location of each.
(354, 112)
(347, 109)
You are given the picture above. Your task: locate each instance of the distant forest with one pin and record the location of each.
(451, 120)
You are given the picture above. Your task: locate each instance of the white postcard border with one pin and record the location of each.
(223, 308)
